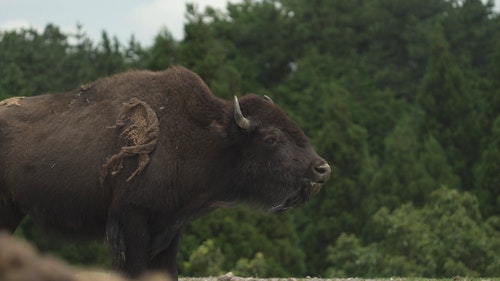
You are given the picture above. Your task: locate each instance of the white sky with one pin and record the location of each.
(143, 18)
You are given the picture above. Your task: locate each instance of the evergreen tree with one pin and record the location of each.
(256, 37)
(487, 174)
(32, 53)
(164, 51)
(486, 170)
(79, 60)
(445, 98)
(13, 82)
(472, 32)
(108, 56)
(204, 54)
(414, 164)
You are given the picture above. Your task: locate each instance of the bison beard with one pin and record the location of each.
(139, 155)
(294, 199)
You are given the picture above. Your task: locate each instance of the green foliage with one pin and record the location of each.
(487, 173)
(445, 98)
(254, 267)
(164, 51)
(13, 82)
(205, 55)
(33, 63)
(206, 260)
(401, 97)
(256, 47)
(412, 161)
(445, 237)
(244, 239)
(77, 252)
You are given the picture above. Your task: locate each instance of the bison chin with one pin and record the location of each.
(298, 197)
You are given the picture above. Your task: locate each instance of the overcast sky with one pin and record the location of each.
(143, 18)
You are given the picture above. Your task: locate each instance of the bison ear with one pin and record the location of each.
(218, 130)
(221, 135)
(225, 136)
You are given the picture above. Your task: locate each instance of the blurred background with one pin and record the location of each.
(402, 97)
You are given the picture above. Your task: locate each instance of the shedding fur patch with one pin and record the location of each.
(140, 129)
(85, 87)
(12, 101)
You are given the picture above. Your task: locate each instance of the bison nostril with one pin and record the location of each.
(323, 169)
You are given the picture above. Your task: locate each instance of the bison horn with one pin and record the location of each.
(243, 122)
(269, 99)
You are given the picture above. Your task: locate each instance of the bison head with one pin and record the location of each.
(277, 168)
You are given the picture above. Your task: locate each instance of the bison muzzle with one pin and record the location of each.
(139, 155)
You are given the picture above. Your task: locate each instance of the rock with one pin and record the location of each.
(19, 261)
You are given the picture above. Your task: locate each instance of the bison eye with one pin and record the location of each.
(270, 141)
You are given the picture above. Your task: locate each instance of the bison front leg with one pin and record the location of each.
(10, 216)
(127, 237)
(166, 260)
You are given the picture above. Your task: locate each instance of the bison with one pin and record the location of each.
(136, 156)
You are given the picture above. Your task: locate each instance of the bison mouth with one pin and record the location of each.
(298, 197)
